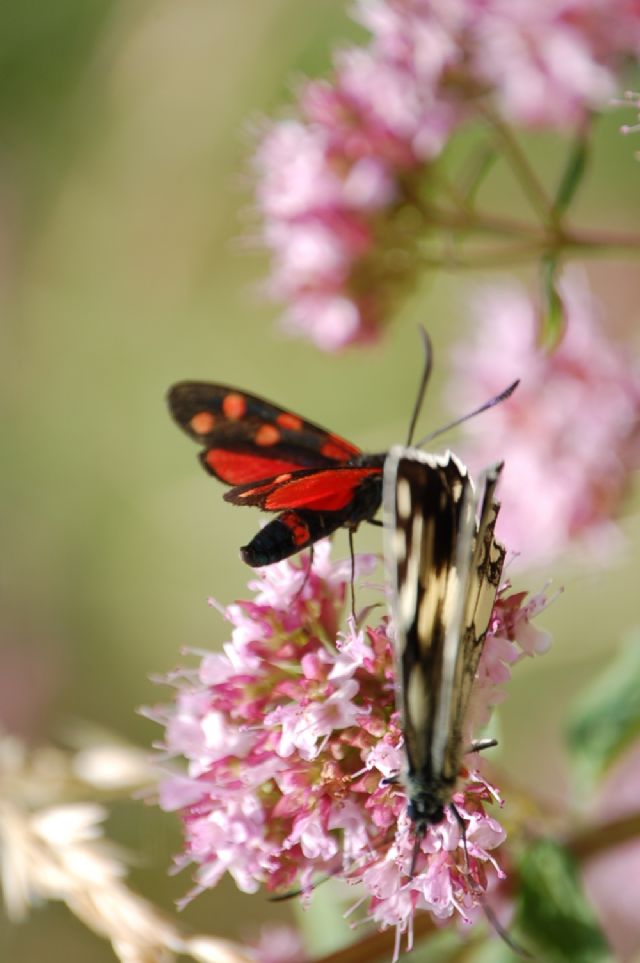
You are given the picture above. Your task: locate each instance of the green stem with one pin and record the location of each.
(554, 239)
(584, 243)
(494, 259)
(477, 222)
(529, 182)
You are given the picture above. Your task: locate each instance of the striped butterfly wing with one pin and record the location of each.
(480, 559)
(444, 567)
(484, 575)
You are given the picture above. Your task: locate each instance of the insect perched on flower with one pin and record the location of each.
(444, 566)
(317, 481)
(279, 462)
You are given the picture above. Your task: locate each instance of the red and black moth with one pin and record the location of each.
(279, 462)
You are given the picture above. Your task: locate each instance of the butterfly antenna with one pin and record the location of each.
(426, 374)
(477, 411)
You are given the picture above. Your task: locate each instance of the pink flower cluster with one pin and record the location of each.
(570, 435)
(289, 735)
(336, 187)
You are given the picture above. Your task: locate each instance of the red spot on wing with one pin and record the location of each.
(338, 449)
(267, 435)
(286, 420)
(202, 422)
(328, 489)
(241, 469)
(234, 405)
(298, 528)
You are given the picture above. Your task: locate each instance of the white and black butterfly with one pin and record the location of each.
(444, 566)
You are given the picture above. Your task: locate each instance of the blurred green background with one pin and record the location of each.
(126, 263)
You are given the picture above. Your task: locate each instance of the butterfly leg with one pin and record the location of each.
(481, 745)
(353, 576)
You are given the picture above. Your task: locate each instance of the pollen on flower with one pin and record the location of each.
(290, 736)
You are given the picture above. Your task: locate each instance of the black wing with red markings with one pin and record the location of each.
(279, 462)
(248, 439)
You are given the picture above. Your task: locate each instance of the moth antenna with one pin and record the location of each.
(477, 411)
(426, 374)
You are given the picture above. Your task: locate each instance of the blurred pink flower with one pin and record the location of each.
(570, 435)
(615, 905)
(289, 735)
(336, 186)
(279, 943)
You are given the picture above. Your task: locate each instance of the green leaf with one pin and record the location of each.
(606, 718)
(572, 175)
(553, 308)
(553, 916)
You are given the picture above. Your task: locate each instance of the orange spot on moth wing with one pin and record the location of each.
(267, 435)
(234, 406)
(202, 422)
(286, 420)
